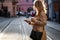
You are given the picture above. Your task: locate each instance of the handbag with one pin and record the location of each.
(36, 35)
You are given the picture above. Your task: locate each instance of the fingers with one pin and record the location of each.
(27, 21)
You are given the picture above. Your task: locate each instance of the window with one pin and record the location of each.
(27, 0)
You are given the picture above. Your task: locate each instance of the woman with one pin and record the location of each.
(38, 22)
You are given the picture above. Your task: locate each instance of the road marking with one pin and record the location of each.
(48, 38)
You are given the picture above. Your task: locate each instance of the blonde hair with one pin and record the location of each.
(39, 6)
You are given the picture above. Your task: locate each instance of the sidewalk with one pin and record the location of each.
(53, 25)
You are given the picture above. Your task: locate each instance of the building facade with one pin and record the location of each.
(11, 6)
(53, 10)
(23, 5)
(57, 10)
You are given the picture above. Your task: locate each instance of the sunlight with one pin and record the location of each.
(36, 8)
(44, 6)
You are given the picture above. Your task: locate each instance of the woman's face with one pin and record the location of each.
(38, 5)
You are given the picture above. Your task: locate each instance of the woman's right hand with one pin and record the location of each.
(28, 21)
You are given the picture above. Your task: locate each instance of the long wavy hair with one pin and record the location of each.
(39, 6)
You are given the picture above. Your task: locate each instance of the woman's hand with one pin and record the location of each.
(29, 22)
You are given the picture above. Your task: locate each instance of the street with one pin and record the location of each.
(52, 33)
(13, 15)
(18, 29)
(4, 22)
(53, 30)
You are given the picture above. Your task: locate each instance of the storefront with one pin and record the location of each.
(57, 10)
(53, 10)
